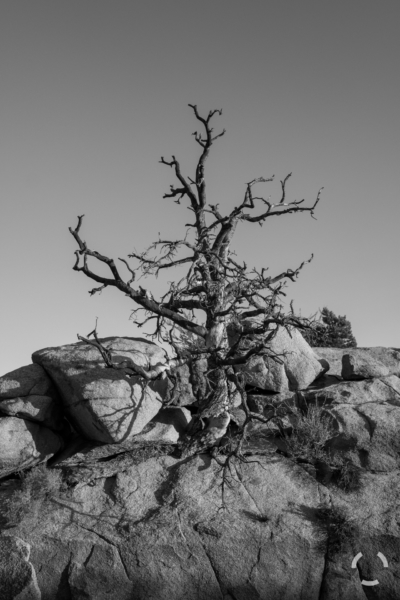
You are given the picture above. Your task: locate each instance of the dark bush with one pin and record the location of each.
(330, 331)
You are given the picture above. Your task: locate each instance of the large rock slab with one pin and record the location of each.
(295, 369)
(167, 427)
(361, 365)
(373, 514)
(300, 363)
(104, 404)
(156, 530)
(370, 434)
(39, 409)
(264, 373)
(366, 415)
(24, 444)
(18, 579)
(180, 390)
(332, 358)
(31, 379)
(385, 389)
(99, 574)
(389, 357)
(29, 393)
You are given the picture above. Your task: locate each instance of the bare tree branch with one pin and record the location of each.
(291, 207)
(213, 293)
(139, 296)
(127, 365)
(185, 185)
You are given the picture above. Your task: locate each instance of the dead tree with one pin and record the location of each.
(218, 295)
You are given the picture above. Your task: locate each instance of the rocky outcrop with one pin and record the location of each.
(180, 389)
(331, 359)
(24, 444)
(39, 409)
(167, 427)
(300, 363)
(155, 530)
(367, 417)
(294, 368)
(31, 379)
(103, 404)
(29, 393)
(134, 519)
(387, 357)
(18, 579)
(30, 416)
(361, 365)
(385, 389)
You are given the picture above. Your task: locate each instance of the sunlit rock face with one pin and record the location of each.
(31, 379)
(103, 404)
(295, 368)
(361, 365)
(29, 393)
(17, 574)
(24, 444)
(389, 358)
(160, 527)
(134, 519)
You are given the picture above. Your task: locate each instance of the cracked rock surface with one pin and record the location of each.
(156, 529)
(136, 522)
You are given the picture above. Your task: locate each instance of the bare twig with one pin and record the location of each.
(213, 293)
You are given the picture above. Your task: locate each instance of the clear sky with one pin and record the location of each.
(94, 92)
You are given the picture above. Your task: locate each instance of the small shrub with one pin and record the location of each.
(308, 442)
(43, 483)
(143, 452)
(310, 434)
(38, 485)
(336, 527)
(330, 331)
(230, 442)
(17, 507)
(347, 475)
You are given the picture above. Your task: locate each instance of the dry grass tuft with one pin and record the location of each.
(310, 434)
(38, 486)
(308, 442)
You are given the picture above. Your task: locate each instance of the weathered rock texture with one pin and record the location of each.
(180, 390)
(389, 357)
(296, 367)
(29, 393)
(367, 417)
(24, 444)
(332, 358)
(17, 575)
(156, 529)
(136, 520)
(31, 379)
(40, 409)
(361, 365)
(103, 404)
(167, 427)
